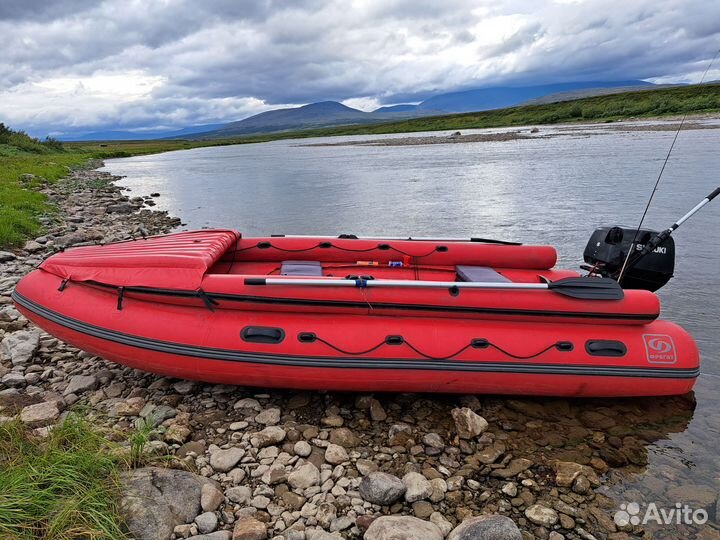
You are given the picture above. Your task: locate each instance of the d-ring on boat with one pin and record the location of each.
(374, 314)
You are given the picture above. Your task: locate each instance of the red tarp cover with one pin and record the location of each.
(174, 261)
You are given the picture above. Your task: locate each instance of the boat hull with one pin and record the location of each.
(352, 352)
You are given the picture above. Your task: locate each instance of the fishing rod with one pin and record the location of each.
(655, 241)
(624, 267)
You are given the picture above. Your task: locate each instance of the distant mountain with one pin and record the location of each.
(396, 108)
(590, 92)
(332, 113)
(483, 99)
(315, 115)
(320, 114)
(114, 135)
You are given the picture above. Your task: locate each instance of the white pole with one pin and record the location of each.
(374, 283)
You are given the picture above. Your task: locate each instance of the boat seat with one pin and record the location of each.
(301, 268)
(479, 274)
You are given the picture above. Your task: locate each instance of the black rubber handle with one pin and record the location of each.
(262, 334)
(713, 194)
(603, 347)
(255, 281)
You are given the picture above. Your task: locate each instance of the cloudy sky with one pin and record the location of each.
(74, 65)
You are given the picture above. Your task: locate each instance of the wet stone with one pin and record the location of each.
(541, 515)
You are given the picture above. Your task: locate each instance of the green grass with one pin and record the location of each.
(138, 442)
(21, 205)
(66, 486)
(59, 488)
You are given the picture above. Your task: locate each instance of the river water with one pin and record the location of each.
(554, 188)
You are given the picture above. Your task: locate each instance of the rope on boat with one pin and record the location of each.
(395, 340)
(326, 245)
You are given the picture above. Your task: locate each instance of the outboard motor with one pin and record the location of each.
(651, 262)
(607, 250)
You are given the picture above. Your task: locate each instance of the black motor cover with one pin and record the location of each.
(608, 246)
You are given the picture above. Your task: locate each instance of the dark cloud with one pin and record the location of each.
(41, 9)
(135, 64)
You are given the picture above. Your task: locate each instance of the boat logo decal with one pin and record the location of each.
(660, 349)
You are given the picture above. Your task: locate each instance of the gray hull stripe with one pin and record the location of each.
(210, 353)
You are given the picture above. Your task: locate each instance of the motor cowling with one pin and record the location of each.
(607, 250)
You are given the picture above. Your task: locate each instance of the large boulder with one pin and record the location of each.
(155, 500)
(402, 528)
(486, 528)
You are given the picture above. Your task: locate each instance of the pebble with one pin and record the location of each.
(248, 528)
(377, 412)
(541, 515)
(224, 460)
(304, 476)
(206, 522)
(381, 488)
(467, 423)
(268, 417)
(269, 436)
(417, 487)
(491, 527)
(336, 454)
(210, 498)
(40, 414)
(302, 449)
(402, 528)
(19, 347)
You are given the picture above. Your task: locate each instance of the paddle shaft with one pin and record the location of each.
(374, 283)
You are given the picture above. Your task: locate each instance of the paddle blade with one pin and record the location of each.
(588, 288)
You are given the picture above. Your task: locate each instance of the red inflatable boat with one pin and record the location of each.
(347, 313)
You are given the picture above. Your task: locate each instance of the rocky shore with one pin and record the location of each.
(251, 464)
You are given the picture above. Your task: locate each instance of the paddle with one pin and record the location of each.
(575, 287)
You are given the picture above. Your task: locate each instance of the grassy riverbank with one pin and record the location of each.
(61, 487)
(26, 163)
